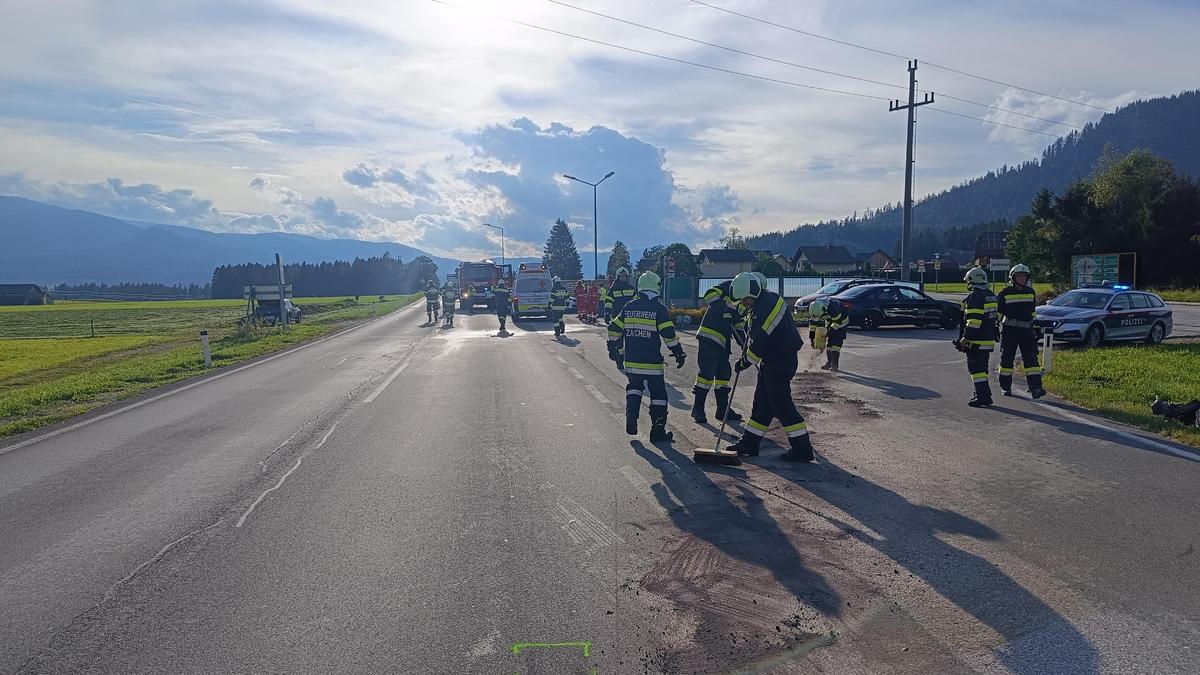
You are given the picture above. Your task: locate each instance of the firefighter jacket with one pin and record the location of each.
(558, 298)
(449, 296)
(502, 300)
(639, 332)
(1016, 304)
(773, 334)
(834, 317)
(431, 296)
(979, 319)
(722, 317)
(619, 293)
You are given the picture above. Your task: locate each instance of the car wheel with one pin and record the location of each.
(1094, 336)
(1156, 334)
(870, 320)
(949, 320)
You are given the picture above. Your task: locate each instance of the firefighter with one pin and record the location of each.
(619, 293)
(828, 312)
(502, 300)
(1015, 303)
(723, 321)
(774, 342)
(449, 297)
(605, 306)
(558, 306)
(431, 302)
(635, 337)
(977, 338)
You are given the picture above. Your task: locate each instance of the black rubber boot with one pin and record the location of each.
(983, 395)
(701, 395)
(633, 408)
(723, 411)
(659, 433)
(1005, 384)
(747, 446)
(801, 450)
(1035, 386)
(501, 325)
(834, 358)
(631, 426)
(828, 361)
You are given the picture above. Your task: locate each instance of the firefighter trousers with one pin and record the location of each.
(657, 386)
(1025, 340)
(773, 400)
(977, 365)
(713, 363)
(833, 345)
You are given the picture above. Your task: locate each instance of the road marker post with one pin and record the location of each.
(1048, 350)
(205, 349)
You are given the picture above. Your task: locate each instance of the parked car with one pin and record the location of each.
(1093, 315)
(874, 305)
(800, 308)
(268, 311)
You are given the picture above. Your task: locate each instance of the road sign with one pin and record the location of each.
(1094, 269)
(937, 263)
(999, 264)
(265, 291)
(669, 262)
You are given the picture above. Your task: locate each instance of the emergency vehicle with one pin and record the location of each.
(531, 293)
(475, 282)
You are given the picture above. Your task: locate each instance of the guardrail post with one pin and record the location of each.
(1047, 350)
(205, 349)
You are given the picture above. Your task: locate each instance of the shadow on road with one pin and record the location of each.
(570, 342)
(1038, 639)
(751, 536)
(905, 332)
(894, 389)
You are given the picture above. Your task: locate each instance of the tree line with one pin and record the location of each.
(1133, 203)
(382, 275)
(131, 290)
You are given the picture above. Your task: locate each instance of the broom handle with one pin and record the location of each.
(736, 375)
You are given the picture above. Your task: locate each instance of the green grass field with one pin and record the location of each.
(1178, 294)
(1121, 383)
(961, 286)
(47, 379)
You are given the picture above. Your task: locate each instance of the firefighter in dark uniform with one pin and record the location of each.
(774, 342)
(828, 312)
(502, 302)
(604, 309)
(723, 321)
(449, 297)
(558, 306)
(635, 339)
(432, 295)
(619, 293)
(977, 338)
(1016, 303)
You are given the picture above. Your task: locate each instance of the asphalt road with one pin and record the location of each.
(401, 498)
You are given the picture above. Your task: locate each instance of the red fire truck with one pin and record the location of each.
(476, 279)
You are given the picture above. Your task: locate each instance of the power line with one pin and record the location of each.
(791, 83)
(928, 63)
(672, 58)
(762, 57)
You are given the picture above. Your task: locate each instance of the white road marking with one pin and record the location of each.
(379, 390)
(578, 375)
(285, 476)
(340, 362)
(206, 380)
(1123, 434)
(596, 393)
(560, 359)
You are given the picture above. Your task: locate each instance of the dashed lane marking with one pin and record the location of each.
(596, 393)
(578, 375)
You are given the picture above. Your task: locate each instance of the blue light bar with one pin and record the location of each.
(1122, 288)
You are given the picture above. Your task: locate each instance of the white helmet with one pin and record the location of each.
(976, 276)
(556, 280)
(817, 307)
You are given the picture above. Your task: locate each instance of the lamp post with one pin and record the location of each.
(595, 225)
(496, 227)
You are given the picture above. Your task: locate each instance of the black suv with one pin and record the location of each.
(877, 305)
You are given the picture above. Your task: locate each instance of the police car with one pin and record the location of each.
(1091, 315)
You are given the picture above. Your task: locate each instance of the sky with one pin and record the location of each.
(418, 121)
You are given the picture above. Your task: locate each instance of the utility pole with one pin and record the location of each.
(283, 315)
(893, 106)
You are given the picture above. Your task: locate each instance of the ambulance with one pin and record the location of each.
(531, 291)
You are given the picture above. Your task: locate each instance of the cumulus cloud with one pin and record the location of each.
(1047, 108)
(320, 216)
(390, 185)
(113, 197)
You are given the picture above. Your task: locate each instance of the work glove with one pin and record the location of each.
(613, 354)
(680, 356)
(742, 364)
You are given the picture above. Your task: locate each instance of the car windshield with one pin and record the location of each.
(480, 273)
(858, 291)
(533, 285)
(830, 289)
(1083, 299)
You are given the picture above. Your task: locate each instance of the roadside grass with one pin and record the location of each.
(47, 380)
(1178, 294)
(1121, 382)
(961, 286)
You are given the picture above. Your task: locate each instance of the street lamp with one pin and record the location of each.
(595, 225)
(495, 227)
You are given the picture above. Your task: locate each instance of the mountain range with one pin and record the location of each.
(48, 245)
(1167, 126)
